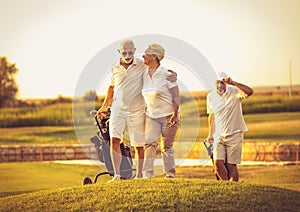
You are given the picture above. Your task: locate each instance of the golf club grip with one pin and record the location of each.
(98, 125)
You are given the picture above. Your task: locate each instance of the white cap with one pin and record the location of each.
(221, 75)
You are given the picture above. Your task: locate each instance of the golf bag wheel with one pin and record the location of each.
(87, 180)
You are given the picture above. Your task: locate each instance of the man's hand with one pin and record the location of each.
(210, 139)
(107, 101)
(172, 77)
(101, 111)
(228, 81)
(247, 90)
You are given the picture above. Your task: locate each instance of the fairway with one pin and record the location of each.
(38, 135)
(270, 127)
(47, 175)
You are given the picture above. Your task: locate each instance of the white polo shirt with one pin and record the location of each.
(128, 85)
(156, 92)
(227, 110)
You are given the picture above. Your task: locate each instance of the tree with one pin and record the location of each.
(90, 96)
(8, 86)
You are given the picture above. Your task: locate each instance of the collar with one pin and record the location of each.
(158, 70)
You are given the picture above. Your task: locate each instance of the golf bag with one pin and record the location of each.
(102, 145)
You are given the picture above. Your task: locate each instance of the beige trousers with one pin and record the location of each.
(157, 131)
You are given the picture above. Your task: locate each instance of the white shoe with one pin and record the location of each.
(115, 178)
(169, 177)
(137, 178)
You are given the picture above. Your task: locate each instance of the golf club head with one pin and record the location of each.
(209, 148)
(93, 112)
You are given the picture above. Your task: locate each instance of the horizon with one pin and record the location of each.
(284, 88)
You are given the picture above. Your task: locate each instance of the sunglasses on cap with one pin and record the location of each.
(129, 53)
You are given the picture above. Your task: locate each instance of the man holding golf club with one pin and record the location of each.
(227, 125)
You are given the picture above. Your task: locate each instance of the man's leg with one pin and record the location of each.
(117, 126)
(221, 170)
(233, 172)
(140, 161)
(136, 130)
(219, 159)
(234, 155)
(116, 157)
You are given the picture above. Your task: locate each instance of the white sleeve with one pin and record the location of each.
(208, 105)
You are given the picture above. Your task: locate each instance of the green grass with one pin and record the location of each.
(266, 127)
(18, 178)
(56, 187)
(268, 117)
(275, 130)
(279, 176)
(158, 195)
(271, 103)
(38, 135)
(58, 113)
(261, 103)
(271, 127)
(52, 124)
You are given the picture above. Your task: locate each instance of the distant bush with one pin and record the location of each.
(260, 102)
(59, 114)
(62, 112)
(271, 103)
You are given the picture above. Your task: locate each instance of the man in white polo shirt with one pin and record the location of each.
(226, 123)
(128, 106)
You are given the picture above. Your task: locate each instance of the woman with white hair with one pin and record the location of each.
(162, 100)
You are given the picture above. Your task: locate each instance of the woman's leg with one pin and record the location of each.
(152, 134)
(167, 151)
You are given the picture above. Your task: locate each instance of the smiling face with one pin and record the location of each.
(149, 58)
(127, 51)
(220, 87)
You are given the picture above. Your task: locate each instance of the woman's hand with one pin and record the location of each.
(173, 120)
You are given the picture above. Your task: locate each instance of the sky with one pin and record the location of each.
(52, 41)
